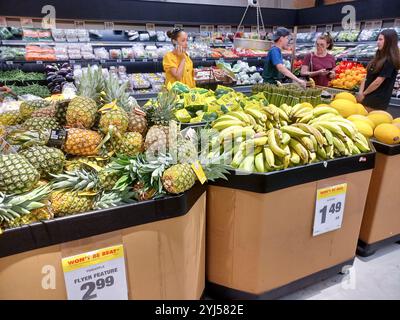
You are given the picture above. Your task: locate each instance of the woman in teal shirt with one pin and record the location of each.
(274, 68)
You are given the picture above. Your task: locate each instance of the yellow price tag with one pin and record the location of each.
(198, 170)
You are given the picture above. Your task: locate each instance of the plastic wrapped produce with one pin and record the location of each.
(71, 35)
(138, 81)
(127, 53)
(101, 53)
(138, 51)
(58, 34)
(161, 36)
(369, 35)
(144, 37)
(115, 54)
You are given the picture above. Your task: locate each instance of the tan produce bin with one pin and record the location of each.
(260, 242)
(381, 223)
(164, 259)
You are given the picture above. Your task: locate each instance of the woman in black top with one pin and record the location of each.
(376, 90)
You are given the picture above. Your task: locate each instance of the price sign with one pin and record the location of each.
(313, 29)
(26, 23)
(108, 25)
(3, 22)
(245, 58)
(180, 26)
(397, 23)
(241, 29)
(329, 209)
(79, 24)
(132, 60)
(155, 60)
(369, 25)
(72, 61)
(258, 58)
(102, 61)
(39, 62)
(203, 59)
(99, 274)
(329, 28)
(254, 29)
(145, 60)
(119, 60)
(358, 26)
(9, 62)
(210, 28)
(377, 24)
(150, 27)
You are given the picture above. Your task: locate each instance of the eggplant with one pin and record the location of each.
(69, 77)
(51, 85)
(63, 72)
(59, 79)
(65, 65)
(51, 67)
(52, 73)
(50, 78)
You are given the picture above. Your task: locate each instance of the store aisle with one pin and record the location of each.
(376, 277)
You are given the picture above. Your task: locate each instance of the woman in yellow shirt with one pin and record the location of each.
(177, 64)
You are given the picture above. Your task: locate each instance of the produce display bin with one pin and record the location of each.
(260, 242)
(163, 241)
(381, 222)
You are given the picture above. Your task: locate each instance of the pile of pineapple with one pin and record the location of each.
(113, 153)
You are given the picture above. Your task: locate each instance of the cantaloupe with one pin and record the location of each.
(358, 117)
(345, 107)
(364, 128)
(397, 120)
(387, 114)
(361, 110)
(380, 117)
(387, 133)
(346, 96)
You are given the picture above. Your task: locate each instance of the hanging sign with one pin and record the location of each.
(329, 209)
(3, 22)
(180, 26)
(377, 24)
(150, 27)
(313, 29)
(241, 29)
(108, 25)
(369, 24)
(329, 28)
(397, 23)
(79, 24)
(26, 23)
(96, 275)
(358, 26)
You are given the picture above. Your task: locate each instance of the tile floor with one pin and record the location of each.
(376, 277)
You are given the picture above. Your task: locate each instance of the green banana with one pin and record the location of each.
(286, 108)
(321, 152)
(307, 143)
(285, 138)
(286, 159)
(340, 146)
(283, 115)
(259, 162)
(248, 164)
(240, 115)
(348, 129)
(324, 117)
(332, 127)
(355, 150)
(257, 114)
(300, 150)
(306, 118)
(294, 131)
(312, 157)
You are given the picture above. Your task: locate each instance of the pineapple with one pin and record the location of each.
(81, 112)
(10, 117)
(112, 199)
(65, 203)
(82, 142)
(130, 144)
(48, 112)
(116, 117)
(178, 178)
(25, 208)
(46, 160)
(61, 111)
(142, 193)
(40, 123)
(25, 139)
(29, 106)
(137, 121)
(186, 151)
(108, 179)
(3, 131)
(157, 140)
(78, 163)
(116, 92)
(17, 175)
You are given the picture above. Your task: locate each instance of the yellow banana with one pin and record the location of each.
(240, 115)
(286, 159)
(261, 141)
(283, 115)
(318, 111)
(226, 124)
(295, 158)
(307, 143)
(313, 157)
(253, 121)
(313, 131)
(257, 114)
(286, 108)
(324, 117)
(329, 150)
(294, 131)
(238, 159)
(285, 138)
(295, 109)
(259, 162)
(246, 132)
(300, 150)
(314, 142)
(304, 110)
(306, 118)
(269, 157)
(226, 117)
(276, 149)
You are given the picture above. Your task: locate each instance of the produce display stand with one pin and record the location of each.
(163, 241)
(260, 242)
(381, 222)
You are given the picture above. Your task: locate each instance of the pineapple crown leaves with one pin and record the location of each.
(161, 111)
(79, 180)
(12, 206)
(114, 198)
(115, 91)
(214, 171)
(28, 138)
(91, 83)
